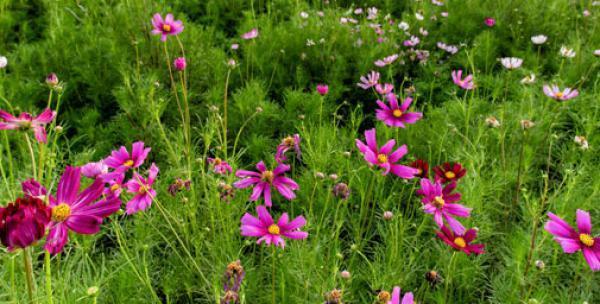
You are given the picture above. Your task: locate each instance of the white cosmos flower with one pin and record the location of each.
(567, 52)
(403, 26)
(304, 15)
(3, 62)
(511, 62)
(582, 141)
(419, 16)
(597, 53)
(539, 39)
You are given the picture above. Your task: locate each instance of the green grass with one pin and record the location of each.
(116, 90)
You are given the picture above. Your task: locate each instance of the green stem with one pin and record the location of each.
(273, 274)
(31, 154)
(225, 114)
(448, 277)
(48, 276)
(29, 274)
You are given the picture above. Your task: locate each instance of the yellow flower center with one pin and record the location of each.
(267, 176)
(115, 187)
(166, 27)
(274, 229)
(586, 239)
(218, 161)
(61, 212)
(397, 113)
(559, 94)
(439, 202)
(288, 141)
(460, 242)
(450, 175)
(25, 125)
(384, 296)
(143, 190)
(382, 158)
(419, 171)
(128, 163)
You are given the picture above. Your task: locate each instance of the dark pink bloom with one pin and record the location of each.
(384, 89)
(121, 160)
(408, 297)
(396, 115)
(466, 83)
(322, 89)
(81, 212)
(384, 157)
(440, 203)
(264, 179)
(489, 21)
(288, 143)
(253, 33)
(219, 166)
(26, 122)
(166, 27)
(115, 183)
(573, 240)
(180, 63)
(23, 222)
(369, 81)
(270, 232)
(449, 172)
(142, 188)
(461, 242)
(33, 188)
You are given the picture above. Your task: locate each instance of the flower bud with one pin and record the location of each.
(52, 80)
(345, 274)
(180, 64)
(388, 215)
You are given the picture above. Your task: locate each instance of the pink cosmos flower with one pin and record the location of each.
(264, 179)
(81, 212)
(396, 115)
(461, 242)
(94, 169)
(219, 166)
(142, 187)
(413, 41)
(166, 27)
(384, 89)
(407, 299)
(369, 81)
(288, 143)
(121, 160)
(573, 240)
(489, 21)
(115, 183)
(555, 93)
(384, 157)
(322, 89)
(26, 122)
(440, 203)
(251, 34)
(466, 83)
(386, 60)
(270, 232)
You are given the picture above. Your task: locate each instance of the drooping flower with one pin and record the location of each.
(489, 21)
(142, 188)
(23, 222)
(232, 281)
(572, 240)
(270, 232)
(461, 242)
(441, 203)
(341, 190)
(555, 93)
(396, 115)
(369, 81)
(422, 168)
(449, 172)
(408, 297)
(94, 169)
(166, 27)
(322, 89)
(385, 157)
(287, 144)
(219, 166)
(81, 212)
(180, 63)
(567, 52)
(511, 63)
(121, 160)
(386, 60)
(539, 39)
(26, 121)
(466, 83)
(264, 179)
(253, 33)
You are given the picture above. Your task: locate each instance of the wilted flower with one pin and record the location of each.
(23, 222)
(264, 179)
(142, 188)
(322, 89)
(166, 27)
(384, 89)
(539, 39)
(333, 297)
(527, 124)
(441, 203)
(423, 31)
(461, 242)
(449, 172)
(466, 83)
(582, 141)
(385, 157)
(287, 144)
(333, 177)
(253, 33)
(555, 93)
(180, 63)
(572, 240)
(219, 166)
(567, 52)
(492, 122)
(395, 115)
(227, 192)
(270, 232)
(529, 79)
(232, 281)
(369, 81)
(341, 190)
(178, 185)
(386, 60)
(3, 62)
(489, 21)
(26, 122)
(511, 63)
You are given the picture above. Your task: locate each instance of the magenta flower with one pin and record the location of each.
(94, 169)
(369, 81)
(288, 143)
(461, 242)
(384, 89)
(396, 115)
(264, 179)
(142, 188)
(386, 60)
(166, 27)
(407, 299)
(81, 212)
(219, 166)
(26, 122)
(121, 160)
(440, 203)
(115, 183)
(384, 157)
(573, 240)
(466, 84)
(489, 21)
(555, 93)
(269, 231)
(33, 188)
(23, 222)
(251, 34)
(179, 63)
(322, 89)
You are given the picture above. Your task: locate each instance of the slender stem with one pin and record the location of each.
(29, 274)
(448, 277)
(49, 99)
(173, 83)
(13, 286)
(48, 276)
(273, 274)
(31, 154)
(225, 125)
(519, 170)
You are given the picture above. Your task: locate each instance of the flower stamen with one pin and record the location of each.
(166, 27)
(382, 158)
(586, 239)
(274, 229)
(450, 175)
(439, 202)
(267, 176)
(397, 113)
(460, 242)
(61, 212)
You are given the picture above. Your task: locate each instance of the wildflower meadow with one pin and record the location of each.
(300, 151)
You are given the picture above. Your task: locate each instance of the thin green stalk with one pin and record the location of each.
(448, 273)
(273, 273)
(520, 169)
(225, 125)
(13, 286)
(48, 276)
(173, 86)
(31, 154)
(29, 274)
